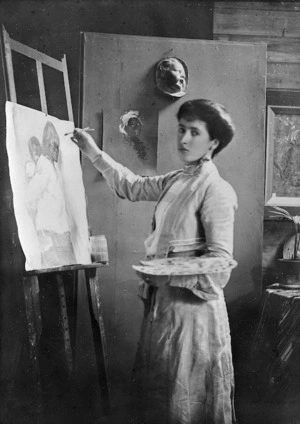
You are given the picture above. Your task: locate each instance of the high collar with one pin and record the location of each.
(195, 168)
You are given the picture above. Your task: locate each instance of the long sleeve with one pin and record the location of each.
(217, 218)
(128, 185)
(216, 215)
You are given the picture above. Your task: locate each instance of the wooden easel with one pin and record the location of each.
(31, 279)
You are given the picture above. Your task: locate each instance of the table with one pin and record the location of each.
(276, 347)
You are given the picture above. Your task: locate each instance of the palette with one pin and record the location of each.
(185, 266)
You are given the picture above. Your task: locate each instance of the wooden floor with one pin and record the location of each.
(63, 404)
(77, 409)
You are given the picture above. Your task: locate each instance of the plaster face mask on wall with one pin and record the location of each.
(171, 76)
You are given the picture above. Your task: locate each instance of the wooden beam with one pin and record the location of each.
(36, 55)
(255, 21)
(39, 68)
(66, 268)
(280, 57)
(285, 6)
(283, 76)
(9, 70)
(67, 88)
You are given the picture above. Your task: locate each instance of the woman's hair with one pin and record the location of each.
(49, 134)
(218, 121)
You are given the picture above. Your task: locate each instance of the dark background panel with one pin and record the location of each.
(225, 72)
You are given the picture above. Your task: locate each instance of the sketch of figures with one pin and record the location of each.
(130, 137)
(286, 179)
(45, 201)
(35, 150)
(49, 197)
(288, 163)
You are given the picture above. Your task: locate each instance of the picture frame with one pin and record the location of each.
(282, 182)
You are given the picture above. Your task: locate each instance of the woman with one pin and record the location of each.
(183, 372)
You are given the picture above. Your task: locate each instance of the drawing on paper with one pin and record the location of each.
(49, 198)
(130, 137)
(282, 184)
(286, 180)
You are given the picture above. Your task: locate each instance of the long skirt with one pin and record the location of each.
(183, 372)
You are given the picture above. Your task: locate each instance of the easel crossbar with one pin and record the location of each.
(8, 45)
(36, 55)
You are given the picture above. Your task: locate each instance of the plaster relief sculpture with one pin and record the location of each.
(171, 76)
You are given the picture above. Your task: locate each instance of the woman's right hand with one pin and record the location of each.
(86, 143)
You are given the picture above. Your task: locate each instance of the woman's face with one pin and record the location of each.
(35, 151)
(193, 141)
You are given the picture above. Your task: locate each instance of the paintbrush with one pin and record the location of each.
(84, 129)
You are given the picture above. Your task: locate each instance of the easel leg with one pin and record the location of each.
(93, 290)
(65, 323)
(74, 313)
(34, 322)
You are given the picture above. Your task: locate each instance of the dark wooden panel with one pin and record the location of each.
(277, 24)
(282, 57)
(275, 44)
(267, 21)
(260, 5)
(283, 76)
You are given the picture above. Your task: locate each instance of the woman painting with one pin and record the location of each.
(183, 371)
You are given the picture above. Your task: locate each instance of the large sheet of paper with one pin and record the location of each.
(48, 192)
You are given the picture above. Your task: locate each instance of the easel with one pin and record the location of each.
(31, 279)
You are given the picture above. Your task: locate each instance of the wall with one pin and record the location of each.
(53, 27)
(278, 25)
(274, 23)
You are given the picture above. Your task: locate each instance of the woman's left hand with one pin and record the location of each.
(154, 280)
